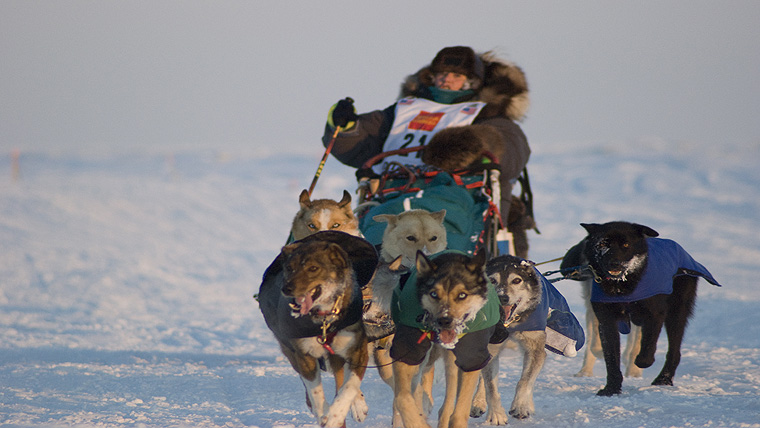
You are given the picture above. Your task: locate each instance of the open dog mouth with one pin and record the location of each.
(305, 303)
(509, 313)
(447, 336)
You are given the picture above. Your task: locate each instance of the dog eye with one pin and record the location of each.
(312, 226)
(626, 245)
(313, 269)
(434, 295)
(411, 238)
(336, 225)
(433, 238)
(517, 281)
(462, 296)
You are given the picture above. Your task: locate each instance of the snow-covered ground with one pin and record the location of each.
(126, 284)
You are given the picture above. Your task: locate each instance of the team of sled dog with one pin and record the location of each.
(332, 300)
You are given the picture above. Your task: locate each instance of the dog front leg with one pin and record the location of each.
(496, 414)
(403, 399)
(610, 338)
(632, 349)
(593, 345)
(383, 360)
(344, 401)
(650, 315)
(680, 308)
(344, 389)
(424, 393)
(534, 355)
(312, 381)
(467, 383)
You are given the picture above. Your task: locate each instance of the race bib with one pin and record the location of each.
(417, 120)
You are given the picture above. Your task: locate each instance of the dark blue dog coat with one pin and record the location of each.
(665, 261)
(553, 315)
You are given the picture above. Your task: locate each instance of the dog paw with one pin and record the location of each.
(478, 408)
(666, 380)
(520, 413)
(359, 408)
(643, 361)
(609, 391)
(633, 371)
(332, 422)
(496, 417)
(584, 373)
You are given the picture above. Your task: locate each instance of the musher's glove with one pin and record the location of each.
(342, 114)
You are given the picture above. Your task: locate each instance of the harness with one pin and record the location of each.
(326, 338)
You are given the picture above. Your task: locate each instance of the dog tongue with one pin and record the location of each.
(306, 303)
(447, 336)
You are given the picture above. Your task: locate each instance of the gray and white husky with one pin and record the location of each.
(519, 291)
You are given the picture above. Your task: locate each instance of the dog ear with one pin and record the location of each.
(303, 199)
(590, 227)
(391, 219)
(439, 215)
(346, 199)
(478, 262)
(646, 230)
(288, 249)
(337, 256)
(396, 265)
(424, 266)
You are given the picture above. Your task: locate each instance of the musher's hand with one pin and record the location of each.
(342, 114)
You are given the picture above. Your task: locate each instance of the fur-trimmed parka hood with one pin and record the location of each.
(504, 87)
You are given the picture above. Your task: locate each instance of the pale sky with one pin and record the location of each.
(166, 75)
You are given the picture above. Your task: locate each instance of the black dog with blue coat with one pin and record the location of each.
(639, 279)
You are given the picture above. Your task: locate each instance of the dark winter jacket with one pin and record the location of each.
(504, 90)
(665, 260)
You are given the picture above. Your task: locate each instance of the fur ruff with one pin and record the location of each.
(462, 147)
(504, 89)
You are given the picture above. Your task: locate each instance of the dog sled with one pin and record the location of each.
(470, 198)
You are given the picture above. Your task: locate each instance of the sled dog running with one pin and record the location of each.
(537, 317)
(405, 234)
(446, 302)
(311, 300)
(640, 279)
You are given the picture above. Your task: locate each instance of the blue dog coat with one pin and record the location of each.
(553, 315)
(665, 261)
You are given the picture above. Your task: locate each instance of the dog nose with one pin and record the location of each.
(445, 322)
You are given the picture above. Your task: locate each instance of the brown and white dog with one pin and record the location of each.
(323, 214)
(311, 300)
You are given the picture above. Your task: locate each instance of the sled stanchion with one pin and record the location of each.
(324, 159)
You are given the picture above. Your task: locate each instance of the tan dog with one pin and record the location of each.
(311, 300)
(407, 233)
(412, 231)
(324, 214)
(450, 299)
